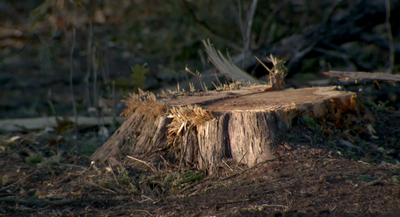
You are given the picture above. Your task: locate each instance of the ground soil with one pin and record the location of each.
(314, 176)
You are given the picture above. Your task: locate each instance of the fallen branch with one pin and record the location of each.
(350, 76)
(42, 122)
(22, 179)
(372, 183)
(42, 203)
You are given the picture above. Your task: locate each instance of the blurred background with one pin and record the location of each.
(107, 49)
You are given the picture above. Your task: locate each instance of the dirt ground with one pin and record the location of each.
(43, 173)
(312, 176)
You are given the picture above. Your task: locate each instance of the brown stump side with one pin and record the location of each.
(201, 129)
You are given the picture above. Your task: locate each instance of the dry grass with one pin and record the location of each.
(237, 85)
(145, 102)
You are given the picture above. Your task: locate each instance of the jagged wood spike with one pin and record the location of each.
(227, 67)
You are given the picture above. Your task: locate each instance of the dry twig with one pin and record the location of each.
(143, 162)
(22, 179)
(250, 168)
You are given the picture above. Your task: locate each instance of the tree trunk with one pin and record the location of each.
(200, 129)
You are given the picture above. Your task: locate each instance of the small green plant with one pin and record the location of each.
(124, 178)
(396, 179)
(5, 180)
(378, 108)
(88, 148)
(138, 75)
(365, 178)
(310, 123)
(136, 79)
(293, 138)
(190, 176)
(56, 158)
(174, 181)
(34, 158)
(352, 154)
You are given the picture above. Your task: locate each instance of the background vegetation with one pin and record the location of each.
(95, 44)
(81, 57)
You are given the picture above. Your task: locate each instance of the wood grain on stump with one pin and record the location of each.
(200, 129)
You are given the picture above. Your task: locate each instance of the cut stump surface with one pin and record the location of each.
(200, 129)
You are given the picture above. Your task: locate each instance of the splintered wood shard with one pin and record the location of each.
(227, 67)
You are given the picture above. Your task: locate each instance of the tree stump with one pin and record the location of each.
(200, 129)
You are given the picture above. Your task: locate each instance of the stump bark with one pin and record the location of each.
(201, 129)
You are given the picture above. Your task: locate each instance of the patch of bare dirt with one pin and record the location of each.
(313, 176)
